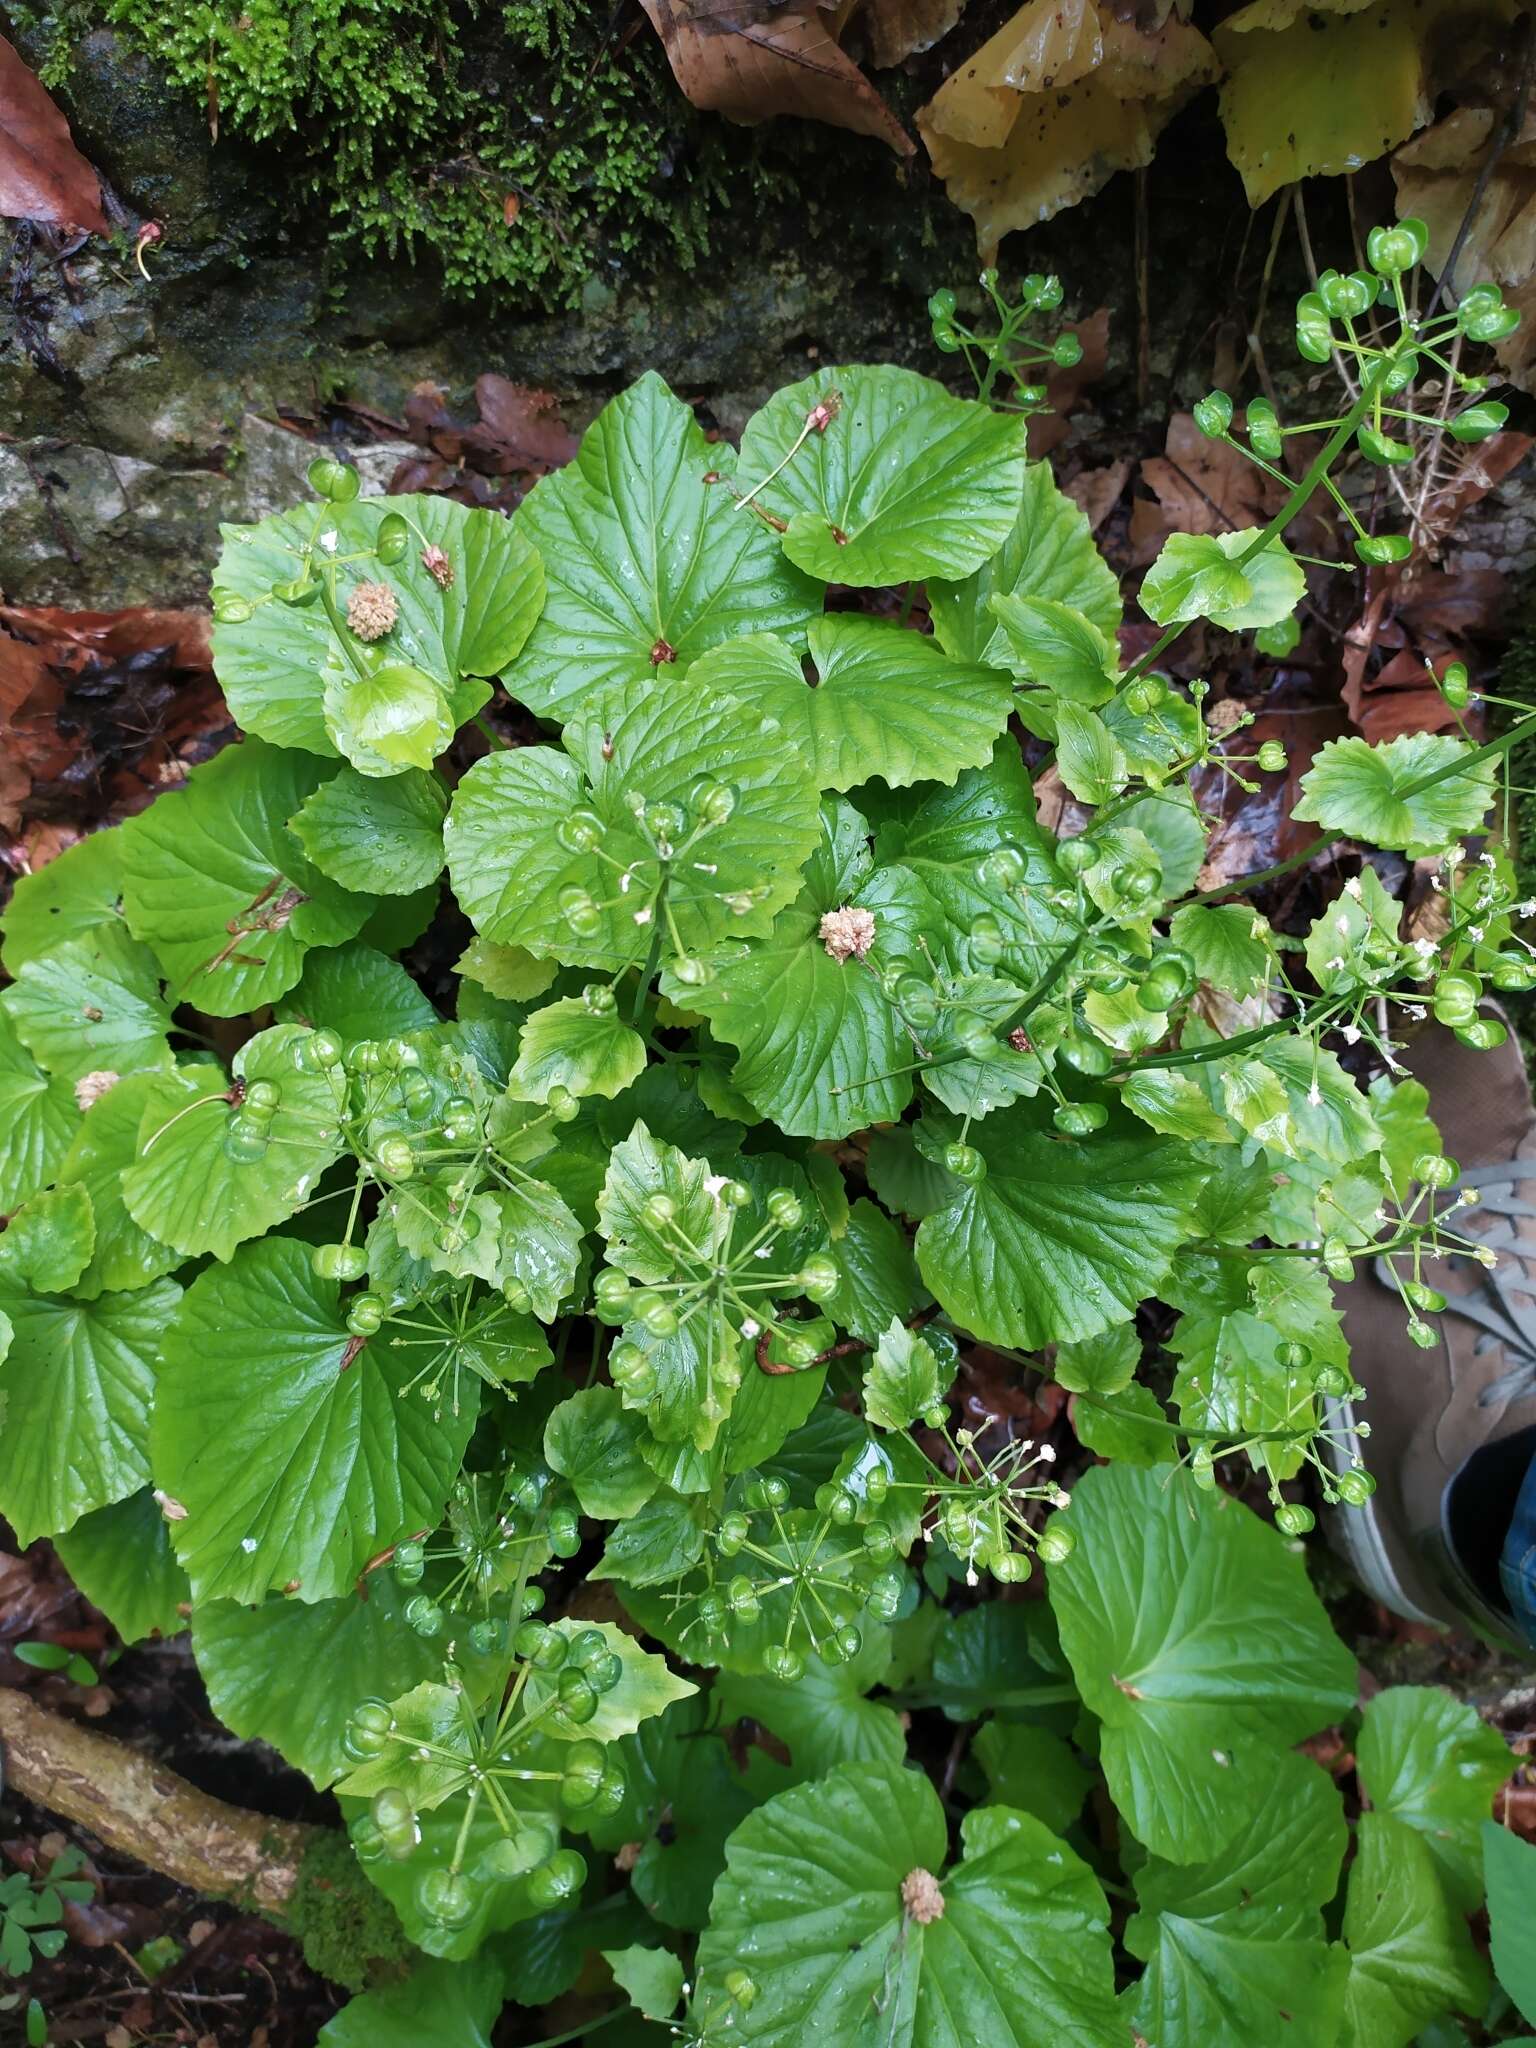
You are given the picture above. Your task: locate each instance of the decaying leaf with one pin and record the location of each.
(1060, 99)
(42, 174)
(749, 61)
(1435, 176)
(898, 29)
(1327, 86)
(1198, 486)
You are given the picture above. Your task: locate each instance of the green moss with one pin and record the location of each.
(347, 1927)
(525, 148)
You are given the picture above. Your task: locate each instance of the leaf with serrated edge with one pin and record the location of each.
(902, 480)
(221, 890)
(296, 1452)
(510, 870)
(1047, 553)
(885, 704)
(186, 1190)
(1195, 1637)
(1363, 790)
(570, 1044)
(107, 1142)
(645, 1688)
(1236, 1949)
(74, 893)
(650, 560)
(38, 1118)
(1411, 1956)
(821, 1047)
(77, 1384)
(1430, 1760)
(92, 1004)
(248, 1657)
(270, 665)
(380, 835)
(810, 1904)
(1058, 1239)
(121, 1559)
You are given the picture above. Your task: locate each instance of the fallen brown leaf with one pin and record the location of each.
(1065, 386)
(1097, 491)
(42, 175)
(1198, 486)
(1097, 93)
(898, 29)
(750, 60)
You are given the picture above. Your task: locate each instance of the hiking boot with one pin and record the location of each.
(1453, 1429)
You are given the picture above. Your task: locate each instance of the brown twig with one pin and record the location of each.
(849, 1348)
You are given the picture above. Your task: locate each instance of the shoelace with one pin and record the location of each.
(1504, 1307)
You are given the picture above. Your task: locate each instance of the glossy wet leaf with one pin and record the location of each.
(902, 1379)
(70, 896)
(271, 665)
(296, 1451)
(189, 1185)
(221, 890)
(92, 1004)
(121, 1559)
(1058, 1239)
(810, 1905)
(592, 1440)
(1197, 1640)
(882, 702)
(1432, 1762)
(1236, 1948)
(570, 1044)
(901, 481)
(77, 1382)
(649, 559)
(515, 876)
(1411, 1955)
(1509, 1872)
(247, 1656)
(1047, 554)
(377, 835)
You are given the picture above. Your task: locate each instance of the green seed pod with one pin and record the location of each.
(337, 481)
(339, 1261)
(392, 539)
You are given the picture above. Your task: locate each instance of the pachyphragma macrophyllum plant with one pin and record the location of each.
(525, 1378)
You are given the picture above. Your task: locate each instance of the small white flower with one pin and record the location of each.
(1476, 933)
(713, 1183)
(1528, 908)
(750, 1329)
(1048, 1452)
(1424, 947)
(1352, 887)
(1335, 963)
(1488, 860)
(643, 916)
(1350, 1033)
(1341, 925)
(329, 540)
(1315, 1096)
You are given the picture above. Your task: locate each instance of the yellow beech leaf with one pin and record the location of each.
(1049, 43)
(1064, 144)
(1327, 86)
(1435, 176)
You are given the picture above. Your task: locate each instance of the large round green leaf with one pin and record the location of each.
(650, 560)
(512, 873)
(946, 839)
(881, 476)
(296, 1450)
(1430, 1760)
(1377, 794)
(76, 1386)
(1195, 1636)
(92, 1004)
(1058, 1239)
(1236, 1949)
(883, 702)
(248, 1657)
(1013, 1953)
(378, 834)
(220, 888)
(1411, 1954)
(1047, 553)
(190, 1187)
(271, 665)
